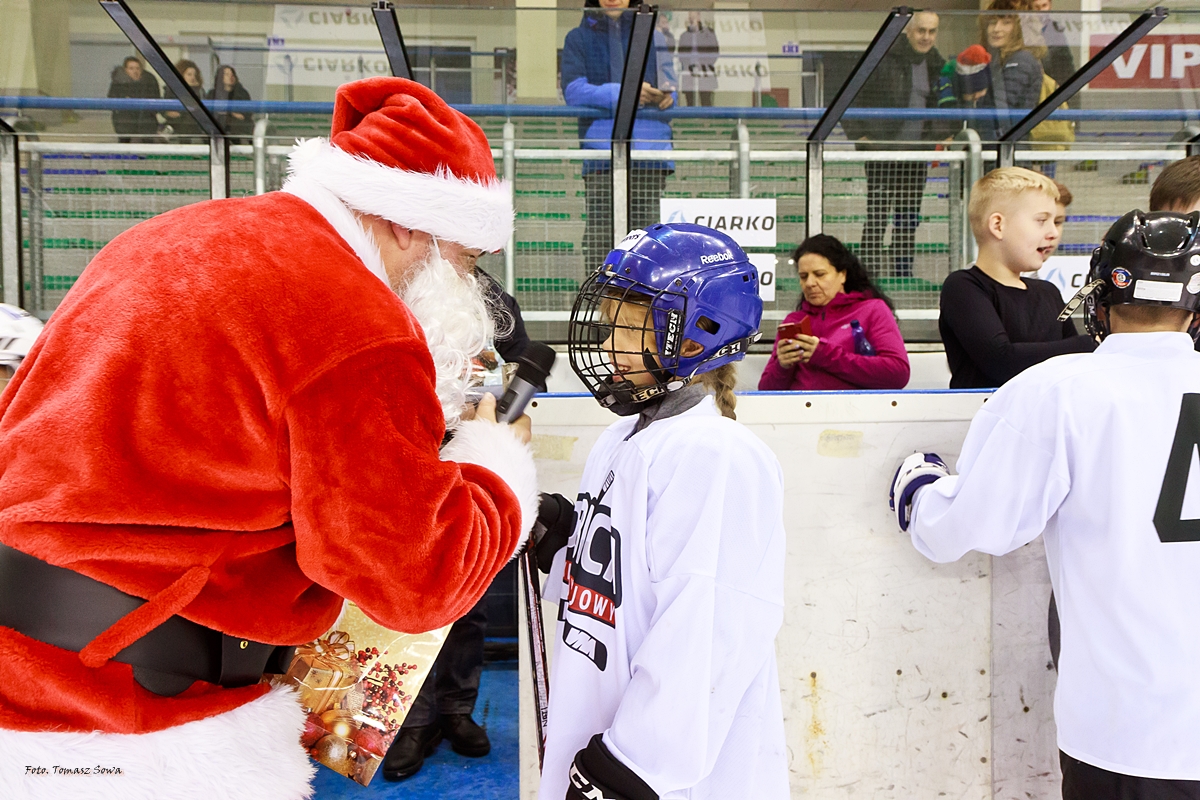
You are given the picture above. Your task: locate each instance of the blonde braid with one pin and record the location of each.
(721, 382)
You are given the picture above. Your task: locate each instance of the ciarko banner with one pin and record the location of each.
(749, 222)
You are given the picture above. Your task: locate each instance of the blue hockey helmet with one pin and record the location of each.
(688, 289)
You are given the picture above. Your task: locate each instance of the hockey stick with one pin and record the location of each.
(537, 648)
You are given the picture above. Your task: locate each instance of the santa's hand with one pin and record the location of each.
(919, 469)
(522, 426)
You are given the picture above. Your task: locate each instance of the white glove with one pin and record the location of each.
(914, 472)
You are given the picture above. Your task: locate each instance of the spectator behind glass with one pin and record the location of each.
(1047, 37)
(185, 128)
(837, 292)
(966, 79)
(1016, 72)
(593, 60)
(1065, 198)
(131, 81)
(698, 54)
(239, 125)
(995, 323)
(906, 78)
(1177, 187)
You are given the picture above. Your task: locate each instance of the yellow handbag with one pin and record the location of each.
(1052, 134)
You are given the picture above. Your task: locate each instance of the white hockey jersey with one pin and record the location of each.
(670, 594)
(1099, 454)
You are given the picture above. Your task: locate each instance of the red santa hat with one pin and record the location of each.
(398, 151)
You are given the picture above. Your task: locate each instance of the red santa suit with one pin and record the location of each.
(232, 416)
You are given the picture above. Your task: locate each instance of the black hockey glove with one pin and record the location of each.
(597, 775)
(556, 514)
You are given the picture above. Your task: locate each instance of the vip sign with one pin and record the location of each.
(1155, 62)
(750, 223)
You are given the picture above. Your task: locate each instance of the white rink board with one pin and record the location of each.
(901, 678)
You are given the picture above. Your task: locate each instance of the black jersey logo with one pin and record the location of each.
(592, 575)
(1168, 515)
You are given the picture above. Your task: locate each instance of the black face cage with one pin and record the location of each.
(611, 337)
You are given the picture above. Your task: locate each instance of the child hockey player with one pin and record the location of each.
(670, 589)
(1096, 452)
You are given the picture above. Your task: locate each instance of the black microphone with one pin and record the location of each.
(533, 368)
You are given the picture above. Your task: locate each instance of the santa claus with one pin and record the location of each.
(232, 422)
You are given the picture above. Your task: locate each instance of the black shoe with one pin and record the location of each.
(466, 738)
(409, 750)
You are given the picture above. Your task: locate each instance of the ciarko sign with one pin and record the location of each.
(750, 223)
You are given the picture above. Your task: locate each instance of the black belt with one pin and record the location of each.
(66, 609)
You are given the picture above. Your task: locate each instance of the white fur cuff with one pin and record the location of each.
(250, 753)
(498, 449)
(452, 208)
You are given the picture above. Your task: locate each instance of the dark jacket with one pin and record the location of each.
(889, 86)
(186, 129)
(1016, 84)
(134, 123)
(511, 346)
(233, 126)
(698, 54)
(589, 79)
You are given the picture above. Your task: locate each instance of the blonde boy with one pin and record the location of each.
(995, 323)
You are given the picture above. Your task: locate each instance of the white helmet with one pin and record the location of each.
(18, 331)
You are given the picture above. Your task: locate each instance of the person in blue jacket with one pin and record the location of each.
(593, 60)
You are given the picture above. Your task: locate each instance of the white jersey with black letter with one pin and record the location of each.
(1099, 454)
(670, 594)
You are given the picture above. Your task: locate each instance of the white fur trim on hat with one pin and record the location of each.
(498, 449)
(252, 752)
(477, 215)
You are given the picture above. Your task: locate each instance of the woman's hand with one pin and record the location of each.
(788, 353)
(807, 345)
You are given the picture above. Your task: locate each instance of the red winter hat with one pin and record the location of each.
(972, 68)
(398, 151)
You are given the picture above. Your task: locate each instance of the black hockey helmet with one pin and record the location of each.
(1150, 259)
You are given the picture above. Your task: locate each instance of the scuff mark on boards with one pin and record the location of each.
(814, 742)
(553, 448)
(839, 444)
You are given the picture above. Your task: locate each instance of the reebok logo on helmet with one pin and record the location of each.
(716, 257)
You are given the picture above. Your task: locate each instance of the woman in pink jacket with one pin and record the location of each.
(854, 342)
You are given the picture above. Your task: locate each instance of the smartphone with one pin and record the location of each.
(790, 330)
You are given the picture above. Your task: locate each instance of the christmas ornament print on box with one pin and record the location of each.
(357, 683)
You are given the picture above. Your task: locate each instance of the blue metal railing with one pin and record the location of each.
(522, 110)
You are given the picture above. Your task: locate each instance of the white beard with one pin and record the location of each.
(455, 318)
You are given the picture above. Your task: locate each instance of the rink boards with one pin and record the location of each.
(901, 678)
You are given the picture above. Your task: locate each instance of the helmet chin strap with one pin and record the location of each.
(664, 382)
(1076, 301)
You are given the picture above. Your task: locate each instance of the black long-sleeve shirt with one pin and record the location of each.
(991, 331)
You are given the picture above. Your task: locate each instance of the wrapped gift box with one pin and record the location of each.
(358, 682)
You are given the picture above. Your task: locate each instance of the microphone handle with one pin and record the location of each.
(515, 399)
